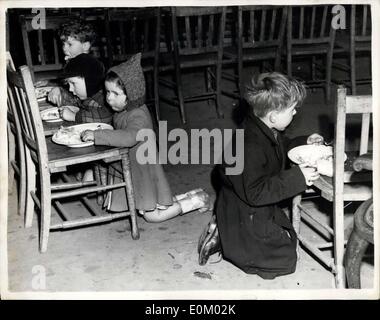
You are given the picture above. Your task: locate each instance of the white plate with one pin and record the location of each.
(320, 157)
(42, 92)
(70, 136)
(51, 115)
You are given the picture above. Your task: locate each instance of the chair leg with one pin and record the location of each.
(328, 76)
(130, 196)
(218, 90)
(353, 72)
(22, 184)
(30, 181)
(208, 81)
(11, 158)
(156, 94)
(339, 243)
(45, 211)
(313, 62)
(289, 63)
(240, 79)
(296, 218)
(180, 93)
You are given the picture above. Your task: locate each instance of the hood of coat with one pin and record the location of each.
(132, 76)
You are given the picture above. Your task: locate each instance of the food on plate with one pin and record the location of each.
(68, 136)
(50, 115)
(42, 92)
(325, 167)
(313, 159)
(319, 157)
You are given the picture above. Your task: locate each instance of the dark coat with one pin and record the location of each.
(254, 231)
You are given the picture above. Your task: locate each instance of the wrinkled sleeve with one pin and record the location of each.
(257, 188)
(125, 137)
(68, 99)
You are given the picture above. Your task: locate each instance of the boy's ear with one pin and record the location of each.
(272, 116)
(86, 46)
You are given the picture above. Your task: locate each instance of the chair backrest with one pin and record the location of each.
(197, 30)
(130, 31)
(22, 98)
(310, 25)
(360, 23)
(357, 107)
(42, 46)
(261, 26)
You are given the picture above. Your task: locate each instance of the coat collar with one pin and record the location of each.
(253, 122)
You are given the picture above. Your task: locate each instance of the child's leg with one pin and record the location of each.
(190, 201)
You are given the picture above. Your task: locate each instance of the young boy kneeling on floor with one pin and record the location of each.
(251, 229)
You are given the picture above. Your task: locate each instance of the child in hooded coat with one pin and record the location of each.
(125, 88)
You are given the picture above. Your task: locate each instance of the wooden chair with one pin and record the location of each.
(130, 31)
(16, 152)
(45, 158)
(346, 185)
(42, 46)
(310, 34)
(196, 42)
(259, 37)
(357, 42)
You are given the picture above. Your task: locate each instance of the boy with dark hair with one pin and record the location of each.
(82, 71)
(251, 229)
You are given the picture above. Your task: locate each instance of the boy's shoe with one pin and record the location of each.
(209, 242)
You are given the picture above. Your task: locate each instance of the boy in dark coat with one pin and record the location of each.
(255, 234)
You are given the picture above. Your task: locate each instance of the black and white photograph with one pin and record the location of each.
(189, 150)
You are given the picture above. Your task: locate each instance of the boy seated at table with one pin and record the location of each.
(251, 230)
(77, 38)
(85, 75)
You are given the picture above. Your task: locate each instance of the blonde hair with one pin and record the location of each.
(274, 91)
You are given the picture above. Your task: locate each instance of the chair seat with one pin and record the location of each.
(309, 49)
(352, 191)
(249, 54)
(186, 62)
(344, 46)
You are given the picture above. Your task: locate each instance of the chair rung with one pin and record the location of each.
(35, 199)
(203, 96)
(72, 193)
(61, 209)
(231, 94)
(15, 167)
(329, 262)
(71, 185)
(167, 83)
(326, 245)
(88, 221)
(314, 222)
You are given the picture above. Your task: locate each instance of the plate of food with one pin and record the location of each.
(42, 92)
(70, 136)
(51, 115)
(320, 157)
